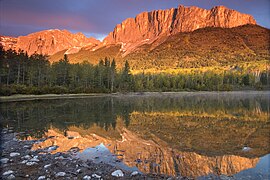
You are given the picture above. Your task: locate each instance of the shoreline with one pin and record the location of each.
(18, 160)
(22, 97)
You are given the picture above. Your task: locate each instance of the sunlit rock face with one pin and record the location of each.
(150, 156)
(52, 41)
(8, 42)
(148, 26)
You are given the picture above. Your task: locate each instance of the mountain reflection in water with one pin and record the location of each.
(188, 135)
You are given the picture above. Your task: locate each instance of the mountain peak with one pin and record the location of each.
(153, 24)
(52, 41)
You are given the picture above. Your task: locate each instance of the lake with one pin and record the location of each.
(196, 135)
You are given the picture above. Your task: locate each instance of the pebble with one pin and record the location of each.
(52, 148)
(118, 173)
(26, 157)
(86, 177)
(96, 176)
(4, 160)
(78, 171)
(34, 160)
(11, 177)
(46, 166)
(245, 149)
(31, 163)
(41, 177)
(134, 173)
(14, 154)
(60, 174)
(8, 173)
(60, 157)
(24, 161)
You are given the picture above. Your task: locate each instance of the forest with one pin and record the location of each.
(24, 74)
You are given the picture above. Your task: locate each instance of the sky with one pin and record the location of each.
(97, 18)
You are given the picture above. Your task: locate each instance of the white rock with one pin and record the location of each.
(118, 173)
(96, 176)
(41, 177)
(4, 160)
(245, 149)
(60, 174)
(8, 173)
(52, 148)
(224, 177)
(11, 177)
(86, 177)
(26, 157)
(31, 163)
(34, 160)
(46, 166)
(26, 146)
(134, 173)
(14, 154)
(24, 161)
(78, 171)
(60, 157)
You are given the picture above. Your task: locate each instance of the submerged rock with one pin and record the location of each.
(245, 149)
(14, 154)
(118, 173)
(60, 174)
(26, 157)
(46, 166)
(86, 177)
(24, 161)
(60, 157)
(134, 173)
(34, 160)
(52, 148)
(8, 173)
(41, 177)
(11, 177)
(31, 163)
(96, 176)
(4, 160)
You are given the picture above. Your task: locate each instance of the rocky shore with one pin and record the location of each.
(18, 161)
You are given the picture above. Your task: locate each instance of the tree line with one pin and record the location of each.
(24, 74)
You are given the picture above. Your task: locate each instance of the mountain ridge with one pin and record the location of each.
(146, 27)
(52, 41)
(176, 37)
(202, 47)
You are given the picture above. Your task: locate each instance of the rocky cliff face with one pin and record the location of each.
(52, 41)
(151, 28)
(8, 42)
(147, 26)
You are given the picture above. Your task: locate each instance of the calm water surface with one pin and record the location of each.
(203, 136)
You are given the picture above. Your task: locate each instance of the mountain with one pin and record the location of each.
(172, 38)
(52, 41)
(148, 26)
(202, 47)
(8, 42)
(181, 37)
